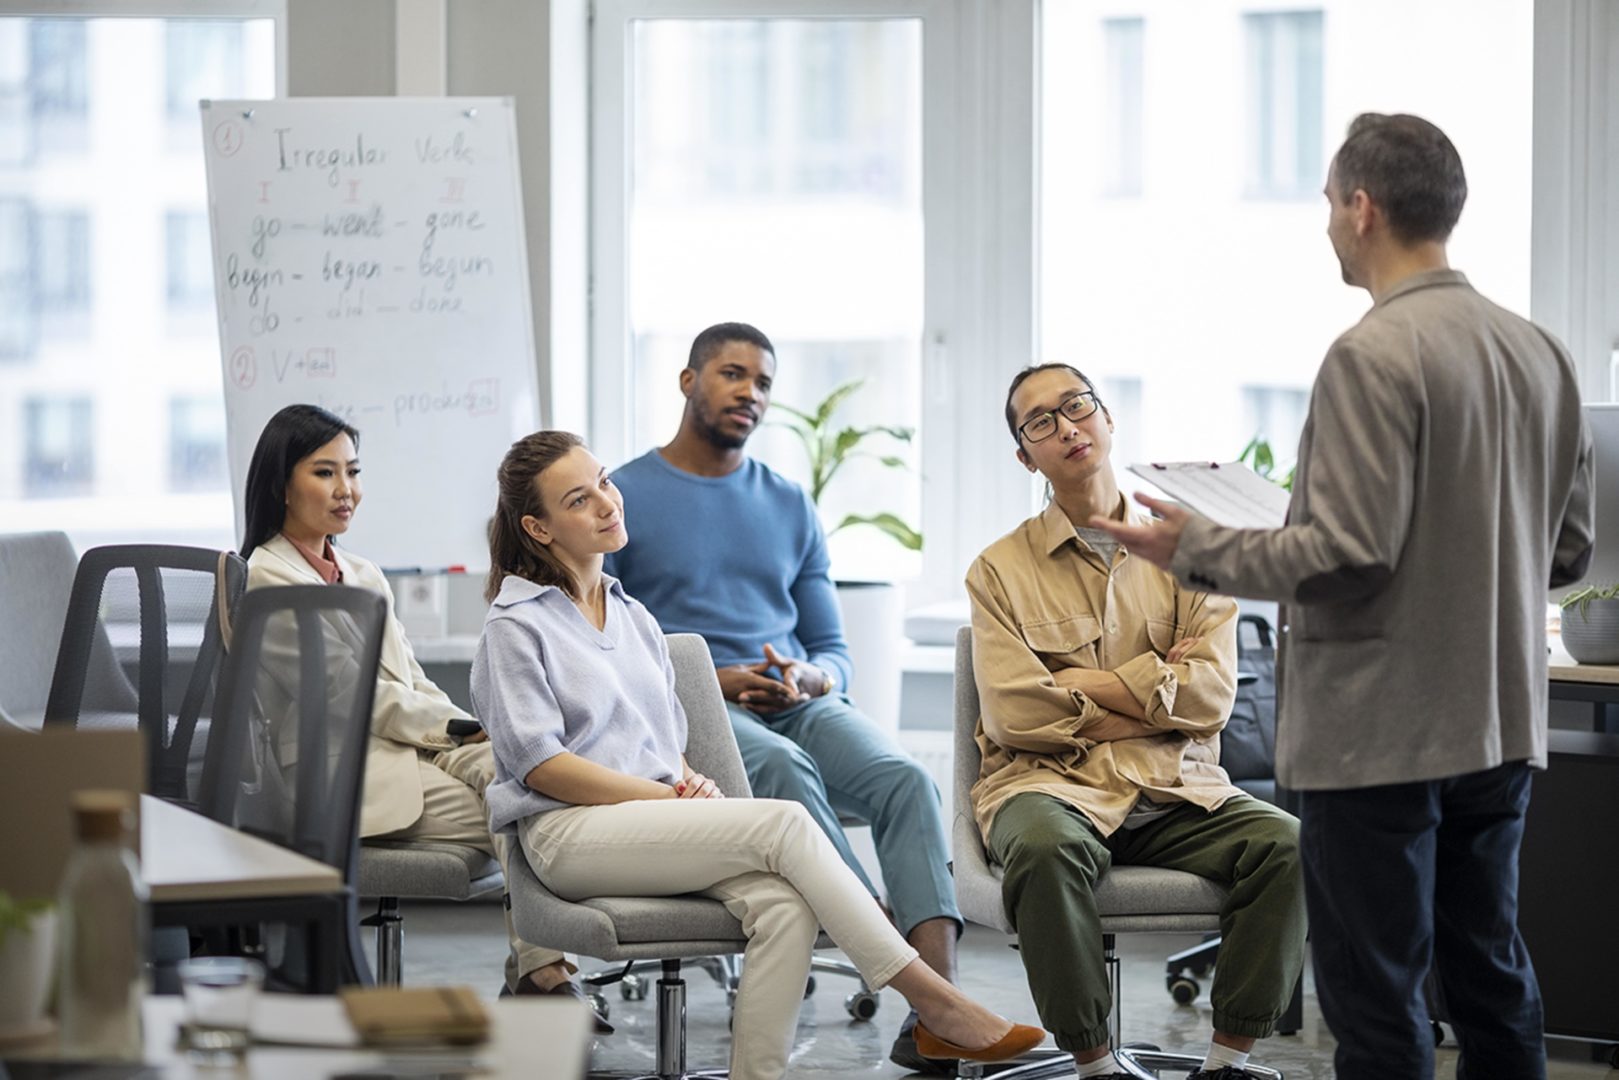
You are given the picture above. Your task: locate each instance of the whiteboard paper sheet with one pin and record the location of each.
(1226, 492)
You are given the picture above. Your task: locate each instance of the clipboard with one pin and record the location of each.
(1226, 492)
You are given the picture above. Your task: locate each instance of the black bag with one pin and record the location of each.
(1248, 743)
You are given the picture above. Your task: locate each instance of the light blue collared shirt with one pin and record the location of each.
(546, 682)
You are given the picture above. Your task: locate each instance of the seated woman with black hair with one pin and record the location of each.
(574, 683)
(427, 761)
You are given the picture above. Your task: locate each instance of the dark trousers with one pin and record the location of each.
(1402, 878)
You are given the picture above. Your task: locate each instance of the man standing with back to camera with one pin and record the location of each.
(1444, 481)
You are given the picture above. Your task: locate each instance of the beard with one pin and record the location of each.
(711, 431)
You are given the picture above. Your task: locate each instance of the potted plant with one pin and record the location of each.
(1590, 624)
(27, 959)
(873, 612)
(1258, 456)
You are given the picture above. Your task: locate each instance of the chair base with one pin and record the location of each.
(671, 1049)
(726, 971)
(1142, 1062)
(390, 928)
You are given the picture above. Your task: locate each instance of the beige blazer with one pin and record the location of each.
(409, 713)
(1444, 484)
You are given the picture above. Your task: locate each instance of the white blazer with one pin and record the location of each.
(409, 713)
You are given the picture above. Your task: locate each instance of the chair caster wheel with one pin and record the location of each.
(633, 988)
(599, 1003)
(1184, 989)
(861, 1005)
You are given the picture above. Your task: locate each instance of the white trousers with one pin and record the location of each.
(765, 859)
(453, 783)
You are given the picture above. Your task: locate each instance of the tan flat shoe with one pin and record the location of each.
(1015, 1043)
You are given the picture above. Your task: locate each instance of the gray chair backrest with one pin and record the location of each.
(710, 745)
(978, 890)
(169, 595)
(36, 579)
(286, 760)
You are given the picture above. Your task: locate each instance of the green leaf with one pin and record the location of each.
(17, 914)
(834, 401)
(806, 418)
(907, 537)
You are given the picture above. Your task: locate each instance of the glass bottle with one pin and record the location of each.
(102, 976)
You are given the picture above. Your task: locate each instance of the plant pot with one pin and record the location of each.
(874, 627)
(1592, 636)
(27, 962)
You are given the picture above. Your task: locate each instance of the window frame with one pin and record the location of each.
(979, 80)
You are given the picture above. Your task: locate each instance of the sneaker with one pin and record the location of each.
(1225, 1072)
(906, 1056)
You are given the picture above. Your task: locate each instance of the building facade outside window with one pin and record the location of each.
(197, 444)
(1284, 104)
(60, 455)
(106, 295)
(1124, 112)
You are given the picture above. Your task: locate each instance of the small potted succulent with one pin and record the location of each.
(27, 961)
(1590, 624)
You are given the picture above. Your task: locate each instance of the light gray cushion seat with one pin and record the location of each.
(427, 870)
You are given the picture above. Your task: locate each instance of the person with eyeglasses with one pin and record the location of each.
(1103, 685)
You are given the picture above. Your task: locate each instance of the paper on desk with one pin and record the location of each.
(1227, 493)
(297, 1020)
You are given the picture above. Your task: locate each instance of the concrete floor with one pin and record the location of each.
(449, 943)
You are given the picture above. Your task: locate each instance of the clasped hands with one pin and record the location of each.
(750, 685)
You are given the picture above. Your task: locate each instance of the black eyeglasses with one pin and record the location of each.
(1042, 427)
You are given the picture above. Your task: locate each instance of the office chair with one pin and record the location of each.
(286, 760)
(1130, 899)
(36, 579)
(170, 598)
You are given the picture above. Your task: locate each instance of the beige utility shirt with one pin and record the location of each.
(1044, 600)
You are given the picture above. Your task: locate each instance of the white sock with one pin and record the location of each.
(1222, 1056)
(1102, 1066)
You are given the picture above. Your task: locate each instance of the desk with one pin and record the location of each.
(186, 857)
(532, 1037)
(201, 873)
(1594, 684)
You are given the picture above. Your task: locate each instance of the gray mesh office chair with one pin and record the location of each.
(36, 579)
(286, 761)
(1131, 899)
(662, 930)
(157, 605)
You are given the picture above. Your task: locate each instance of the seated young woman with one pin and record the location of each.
(427, 761)
(573, 682)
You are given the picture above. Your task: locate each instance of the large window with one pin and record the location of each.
(775, 178)
(110, 409)
(1215, 293)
